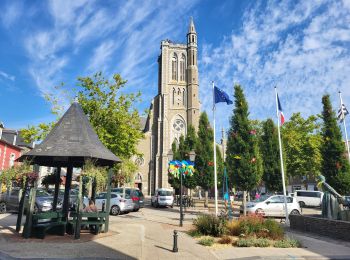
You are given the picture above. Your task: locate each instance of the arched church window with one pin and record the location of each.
(174, 67)
(182, 68)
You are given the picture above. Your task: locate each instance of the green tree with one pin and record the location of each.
(112, 114)
(269, 148)
(241, 147)
(302, 146)
(335, 166)
(204, 155)
(190, 145)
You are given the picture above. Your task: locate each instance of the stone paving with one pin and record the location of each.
(148, 234)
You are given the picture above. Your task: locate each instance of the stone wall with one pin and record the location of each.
(337, 229)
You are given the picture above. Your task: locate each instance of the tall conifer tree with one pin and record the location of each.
(335, 166)
(271, 159)
(204, 155)
(241, 147)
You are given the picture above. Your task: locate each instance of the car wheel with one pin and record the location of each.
(135, 210)
(172, 205)
(260, 212)
(295, 212)
(115, 210)
(302, 204)
(2, 207)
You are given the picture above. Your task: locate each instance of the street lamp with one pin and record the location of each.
(192, 156)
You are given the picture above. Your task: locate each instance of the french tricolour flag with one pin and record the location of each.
(280, 111)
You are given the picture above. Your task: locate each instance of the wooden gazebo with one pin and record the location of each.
(70, 144)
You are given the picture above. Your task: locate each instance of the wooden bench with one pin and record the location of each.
(96, 219)
(48, 222)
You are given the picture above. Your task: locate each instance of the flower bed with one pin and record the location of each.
(250, 231)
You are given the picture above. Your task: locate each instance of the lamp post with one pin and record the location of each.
(192, 156)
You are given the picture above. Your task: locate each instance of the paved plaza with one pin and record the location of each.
(148, 234)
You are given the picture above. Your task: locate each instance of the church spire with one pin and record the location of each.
(191, 28)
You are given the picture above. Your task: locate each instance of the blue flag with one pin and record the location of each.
(221, 96)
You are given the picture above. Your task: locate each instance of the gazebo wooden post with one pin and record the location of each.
(27, 230)
(93, 190)
(108, 204)
(21, 207)
(57, 188)
(79, 208)
(65, 206)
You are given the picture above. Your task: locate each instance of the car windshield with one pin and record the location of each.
(165, 193)
(262, 198)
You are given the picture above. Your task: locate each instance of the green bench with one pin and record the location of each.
(48, 223)
(96, 219)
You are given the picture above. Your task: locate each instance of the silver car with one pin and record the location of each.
(272, 206)
(118, 205)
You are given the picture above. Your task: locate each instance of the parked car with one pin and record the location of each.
(307, 198)
(135, 194)
(118, 203)
(43, 201)
(272, 206)
(163, 197)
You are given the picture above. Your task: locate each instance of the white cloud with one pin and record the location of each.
(7, 76)
(303, 48)
(10, 13)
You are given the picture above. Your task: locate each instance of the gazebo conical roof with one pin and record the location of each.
(70, 143)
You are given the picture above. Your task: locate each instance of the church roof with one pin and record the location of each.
(71, 142)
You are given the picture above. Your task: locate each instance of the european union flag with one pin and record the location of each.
(221, 96)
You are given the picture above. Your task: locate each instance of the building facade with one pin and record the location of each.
(173, 109)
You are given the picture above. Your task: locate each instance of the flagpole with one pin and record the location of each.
(281, 157)
(343, 117)
(214, 144)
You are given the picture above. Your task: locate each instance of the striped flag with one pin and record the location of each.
(342, 112)
(280, 111)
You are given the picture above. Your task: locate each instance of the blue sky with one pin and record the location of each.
(303, 47)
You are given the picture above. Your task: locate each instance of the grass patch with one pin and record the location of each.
(206, 241)
(256, 242)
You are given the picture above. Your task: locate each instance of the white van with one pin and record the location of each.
(163, 197)
(308, 198)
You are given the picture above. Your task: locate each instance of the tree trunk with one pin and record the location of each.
(245, 203)
(206, 199)
(248, 196)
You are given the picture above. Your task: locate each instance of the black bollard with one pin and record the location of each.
(175, 249)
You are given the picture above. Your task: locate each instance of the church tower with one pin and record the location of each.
(192, 77)
(176, 105)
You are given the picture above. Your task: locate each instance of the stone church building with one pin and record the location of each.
(174, 108)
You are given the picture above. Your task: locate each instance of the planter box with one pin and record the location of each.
(337, 229)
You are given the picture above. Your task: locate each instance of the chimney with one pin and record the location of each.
(1, 127)
(15, 138)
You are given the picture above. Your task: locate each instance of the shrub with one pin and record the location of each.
(275, 231)
(194, 233)
(210, 225)
(285, 243)
(206, 241)
(262, 242)
(250, 225)
(233, 227)
(245, 242)
(249, 242)
(225, 240)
